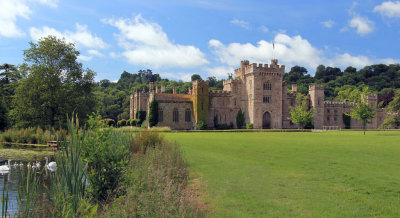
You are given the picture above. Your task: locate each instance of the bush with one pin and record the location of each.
(153, 113)
(240, 119)
(106, 122)
(249, 126)
(201, 125)
(106, 152)
(141, 116)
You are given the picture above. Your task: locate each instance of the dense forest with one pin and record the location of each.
(51, 84)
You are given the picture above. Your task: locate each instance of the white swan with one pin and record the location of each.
(52, 166)
(6, 167)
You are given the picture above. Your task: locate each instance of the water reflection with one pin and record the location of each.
(20, 158)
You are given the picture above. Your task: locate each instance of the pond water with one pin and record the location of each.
(10, 178)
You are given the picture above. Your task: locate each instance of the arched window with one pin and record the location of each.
(160, 115)
(267, 86)
(188, 115)
(175, 115)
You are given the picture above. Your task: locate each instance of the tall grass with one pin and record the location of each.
(156, 182)
(31, 135)
(4, 199)
(28, 195)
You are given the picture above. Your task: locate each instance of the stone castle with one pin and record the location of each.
(258, 90)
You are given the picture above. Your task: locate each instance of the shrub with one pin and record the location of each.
(240, 119)
(141, 116)
(106, 152)
(201, 125)
(249, 126)
(153, 113)
(144, 125)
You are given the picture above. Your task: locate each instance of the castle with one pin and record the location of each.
(258, 90)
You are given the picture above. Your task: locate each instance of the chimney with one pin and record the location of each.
(151, 86)
(162, 88)
(156, 89)
(174, 90)
(189, 91)
(294, 87)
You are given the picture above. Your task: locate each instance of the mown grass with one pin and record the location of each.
(300, 174)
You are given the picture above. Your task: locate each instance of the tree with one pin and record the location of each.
(56, 85)
(153, 113)
(393, 120)
(300, 114)
(240, 119)
(363, 112)
(196, 77)
(3, 114)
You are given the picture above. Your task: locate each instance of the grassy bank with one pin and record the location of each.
(327, 174)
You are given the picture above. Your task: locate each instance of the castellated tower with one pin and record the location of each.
(317, 96)
(261, 95)
(200, 100)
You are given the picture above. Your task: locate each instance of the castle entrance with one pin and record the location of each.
(266, 120)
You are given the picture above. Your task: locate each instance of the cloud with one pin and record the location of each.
(220, 72)
(328, 23)
(9, 12)
(82, 36)
(185, 77)
(264, 29)
(290, 50)
(241, 23)
(51, 3)
(389, 9)
(362, 25)
(145, 43)
(94, 52)
(85, 58)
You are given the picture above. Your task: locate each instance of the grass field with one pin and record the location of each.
(328, 174)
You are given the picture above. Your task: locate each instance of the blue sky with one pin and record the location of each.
(208, 37)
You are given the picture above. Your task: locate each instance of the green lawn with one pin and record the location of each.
(329, 174)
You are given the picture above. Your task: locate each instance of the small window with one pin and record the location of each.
(334, 118)
(267, 86)
(328, 111)
(327, 118)
(267, 99)
(234, 102)
(335, 111)
(160, 115)
(188, 115)
(175, 116)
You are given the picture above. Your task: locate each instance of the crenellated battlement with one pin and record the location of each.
(265, 69)
(220, 93)
(338, 103)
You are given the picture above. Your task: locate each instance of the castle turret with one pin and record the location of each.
(200, 100)
(317, 96)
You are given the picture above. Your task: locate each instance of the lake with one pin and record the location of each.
(19, 155)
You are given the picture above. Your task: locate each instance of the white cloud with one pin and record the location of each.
(82, 37)
(114, 55)
(264, 29)
(389, 9)
(10, 10)
(85, 58)
(185, 77)
(241, 23)
(328, 23)
(94, 52)
(221, 72)
(51, 3)
(362, 25)
(289, 50)
(145, 43)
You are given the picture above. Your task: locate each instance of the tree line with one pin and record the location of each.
(51, 83)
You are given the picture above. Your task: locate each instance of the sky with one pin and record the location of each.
(207, 37)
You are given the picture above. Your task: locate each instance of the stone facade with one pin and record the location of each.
(258, 90)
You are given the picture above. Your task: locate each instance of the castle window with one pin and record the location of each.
(328, 111)
(234, 102)
(160, 115)
(335, 111)
(188, 115)
(175, 116)
(267, 99)
(327, 118)
(335, 118)
(267, 86)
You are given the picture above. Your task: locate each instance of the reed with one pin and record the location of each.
(4, 199)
